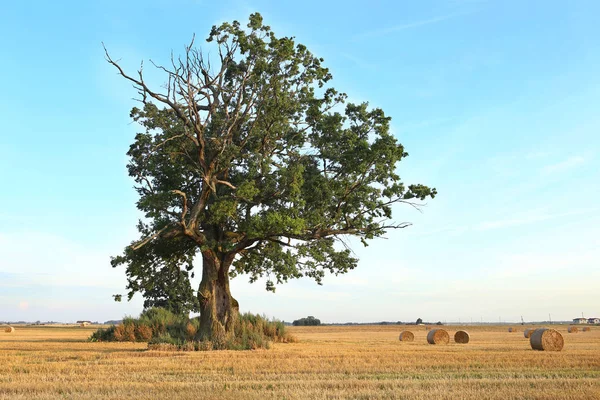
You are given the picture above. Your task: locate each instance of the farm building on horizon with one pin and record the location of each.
(593, 321)
(580, 320)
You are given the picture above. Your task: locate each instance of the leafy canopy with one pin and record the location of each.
(256, 160)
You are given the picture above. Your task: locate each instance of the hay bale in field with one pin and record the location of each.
(572, 329)
(438, 336)
(9, 329)
(546, 339)
(461, 337)
(527, 332)
(587, 329)
(407, 336)
(513, 330)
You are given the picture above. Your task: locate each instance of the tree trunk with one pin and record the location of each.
(218, 309)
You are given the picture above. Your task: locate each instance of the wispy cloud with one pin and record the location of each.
(567, 164)
(515, 219)
(529, 218)
(409, 25)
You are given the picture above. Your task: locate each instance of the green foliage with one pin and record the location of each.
(308, 321)
(159, 319)
(103, 335)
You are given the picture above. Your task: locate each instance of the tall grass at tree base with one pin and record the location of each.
(164, 330)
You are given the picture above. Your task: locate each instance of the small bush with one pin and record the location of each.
(188, 346)
(103, 335)
(204, 345)
(159, 319)
(125, 333)
(190, 331)
(143, 333)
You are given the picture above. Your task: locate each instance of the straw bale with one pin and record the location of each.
(438, 336)
(9, 329)
(527, 332)
(572, 329)
(546, 339)
(461, 337)
(587, 329)
(407, 336)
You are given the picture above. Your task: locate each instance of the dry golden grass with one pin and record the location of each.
(358, 362)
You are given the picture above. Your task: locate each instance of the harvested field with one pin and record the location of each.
(342, 362)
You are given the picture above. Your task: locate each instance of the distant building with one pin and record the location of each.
(580, 321)
(84, 323)
(593, 321)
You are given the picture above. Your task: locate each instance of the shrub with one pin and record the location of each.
(308, 321)
(164, 330)
(159, 319)
(143, 333)
(204, 345)
(103, 335)
(190, 331)
(125, 333)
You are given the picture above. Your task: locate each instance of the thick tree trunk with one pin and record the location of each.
(218, 309)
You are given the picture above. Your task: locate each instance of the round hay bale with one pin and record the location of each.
(9, 329)
(587, 329)
(527, 332)
(572, 329)
(461, 337)
(438, 336)
(407, 336)
(547, 340)
(513, 330)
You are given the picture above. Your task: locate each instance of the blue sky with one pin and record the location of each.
(496, 102)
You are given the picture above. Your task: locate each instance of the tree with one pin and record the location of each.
(419, 321)
(308, 321)
(246, 163)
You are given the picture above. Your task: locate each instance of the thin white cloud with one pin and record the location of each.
(567, 164)
(529, 218)
(409, 25)
(39, 257)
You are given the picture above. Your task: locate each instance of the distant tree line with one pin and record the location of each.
(308, 321)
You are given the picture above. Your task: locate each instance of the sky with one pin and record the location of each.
(495, 101)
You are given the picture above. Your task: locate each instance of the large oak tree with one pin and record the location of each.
(251, 161)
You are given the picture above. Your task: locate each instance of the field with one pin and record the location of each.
(358, 362)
